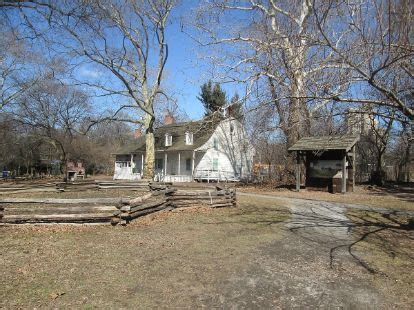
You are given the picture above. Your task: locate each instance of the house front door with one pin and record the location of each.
(173, 166)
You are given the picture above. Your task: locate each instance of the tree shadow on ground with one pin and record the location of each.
(386, 232)
(337, 228)
(403, 192)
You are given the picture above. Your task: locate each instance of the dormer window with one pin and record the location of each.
(189, 138)
(168, 139)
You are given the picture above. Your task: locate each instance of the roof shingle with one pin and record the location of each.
(202, 131)
(343, 142)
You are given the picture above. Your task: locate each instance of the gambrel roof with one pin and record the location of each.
(202, 130)
(343, 142)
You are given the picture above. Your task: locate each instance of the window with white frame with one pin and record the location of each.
(189, 138)
(215, 164)
(215, 143)
(168, 139)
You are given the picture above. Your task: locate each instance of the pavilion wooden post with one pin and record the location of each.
(353, 167)
(179, 163)
(142, 163)
(297, 171)
(343, 190)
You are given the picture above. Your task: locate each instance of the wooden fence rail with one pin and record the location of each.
(220, 197)
(86, 185)
(157, 197)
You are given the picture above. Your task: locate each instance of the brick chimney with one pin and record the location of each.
(137, 133)
(169, 119)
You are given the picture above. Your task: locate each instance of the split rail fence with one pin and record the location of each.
(153, 197)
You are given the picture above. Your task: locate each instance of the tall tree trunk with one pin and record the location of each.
(295, 109)
(409, 166)
(379, 161)
(379, 178)
(149, 146)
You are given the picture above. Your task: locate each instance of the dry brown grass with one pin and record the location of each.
(189, 258)
(363, 195)
(168, 258)
(385, 243)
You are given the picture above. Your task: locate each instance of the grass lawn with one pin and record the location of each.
(169, 259)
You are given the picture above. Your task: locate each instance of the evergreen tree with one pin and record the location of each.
(212, 97)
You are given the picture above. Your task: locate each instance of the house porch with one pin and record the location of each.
(175, 166)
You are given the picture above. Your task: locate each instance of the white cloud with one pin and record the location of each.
(90, 73)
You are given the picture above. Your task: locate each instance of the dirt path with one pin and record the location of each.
(321, 220)
(315, 259)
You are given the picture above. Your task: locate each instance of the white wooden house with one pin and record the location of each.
(213, 149)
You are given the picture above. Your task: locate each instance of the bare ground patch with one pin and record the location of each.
(242, 257)
(395, 198)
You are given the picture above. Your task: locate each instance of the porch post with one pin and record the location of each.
(142, 163)
(165, 163)
(344, 174)
(179, 163)
(192, 165)
(132, 163)
(297, 171)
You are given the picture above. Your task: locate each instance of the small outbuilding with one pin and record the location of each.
(75, 170)
(329, 162)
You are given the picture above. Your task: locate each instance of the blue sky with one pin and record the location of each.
(185, 71)
(186, 68)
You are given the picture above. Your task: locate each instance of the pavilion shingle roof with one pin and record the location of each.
(343, 142)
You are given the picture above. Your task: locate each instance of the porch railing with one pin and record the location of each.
(215, 175)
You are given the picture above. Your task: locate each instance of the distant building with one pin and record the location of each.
(358, 123)
(75, 170)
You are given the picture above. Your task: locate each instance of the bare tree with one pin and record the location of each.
(53, 113)
(18, 64)
(372, 42)
(379, 139)
(125, 38)
(274, 48)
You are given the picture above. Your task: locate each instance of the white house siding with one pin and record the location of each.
(234, 153)
(127, 168)
(234, 156)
